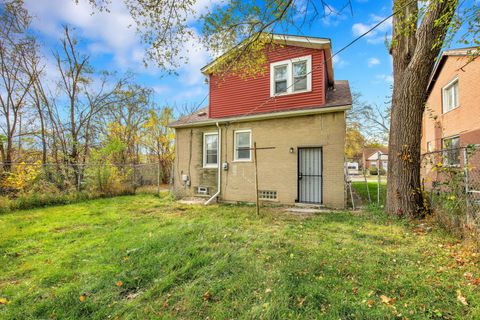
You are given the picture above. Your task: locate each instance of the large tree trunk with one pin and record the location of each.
(414, 52)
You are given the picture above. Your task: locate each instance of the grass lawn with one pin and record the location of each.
(360, 187)
(141, 257)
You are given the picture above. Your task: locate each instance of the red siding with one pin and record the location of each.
(234, 96)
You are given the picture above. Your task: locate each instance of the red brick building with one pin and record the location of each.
(452, 113)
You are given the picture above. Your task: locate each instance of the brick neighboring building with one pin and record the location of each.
(295, 107)
(370, 158)
(452, 113)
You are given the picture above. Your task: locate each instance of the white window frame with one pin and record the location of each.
(289, 63)
(235, 155)
(445, 98)
(205, 164)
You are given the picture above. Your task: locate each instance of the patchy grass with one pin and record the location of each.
(141, 257)
(360, 187)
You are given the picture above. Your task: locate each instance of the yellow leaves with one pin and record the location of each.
(119, 283)
(22, 176)
(4, 301)
(82, 298)
(461, 298)
(386, 300)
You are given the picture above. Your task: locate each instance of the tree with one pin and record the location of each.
(158, 138)
(354, 142)
(418, 36)
(15, 82)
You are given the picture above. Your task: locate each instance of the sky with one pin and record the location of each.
(113, 45)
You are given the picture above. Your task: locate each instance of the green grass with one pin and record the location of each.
(360, 187)
(222, 262)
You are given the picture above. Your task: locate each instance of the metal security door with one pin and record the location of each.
(310, 175)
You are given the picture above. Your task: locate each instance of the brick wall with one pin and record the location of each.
(464, 120)
(277, 169)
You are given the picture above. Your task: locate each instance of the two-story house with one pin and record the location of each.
(295, 113)
(452, 113)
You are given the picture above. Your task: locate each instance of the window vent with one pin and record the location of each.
(202, 190)
(267, 195)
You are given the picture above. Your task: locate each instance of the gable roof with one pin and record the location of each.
(460, 52)
(368, 152)
(338, 98)
(291, 40)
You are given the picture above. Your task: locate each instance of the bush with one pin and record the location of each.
(374, 171)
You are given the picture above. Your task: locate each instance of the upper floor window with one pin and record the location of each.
(291, 76)
(243, 145)
(450, 96)
(210, 150)
(451, 151)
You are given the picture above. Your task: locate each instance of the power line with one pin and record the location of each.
(336, 53)
(326, 60)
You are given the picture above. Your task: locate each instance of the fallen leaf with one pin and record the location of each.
(370, 303)
(268, 290)
(461, 298)
(386, 299)
(4, 301)
(354, 290)
(206, 296)
(301, 301)
(119, 283)
(82, 298)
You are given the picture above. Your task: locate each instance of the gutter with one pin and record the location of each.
(266, 116)
(219, 171)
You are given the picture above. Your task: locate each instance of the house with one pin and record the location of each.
(452, 114)
(295, 113)
(370, 158)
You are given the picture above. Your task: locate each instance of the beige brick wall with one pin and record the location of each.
(464, 120)
(277, 168)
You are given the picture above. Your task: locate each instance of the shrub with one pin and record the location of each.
(374, 171)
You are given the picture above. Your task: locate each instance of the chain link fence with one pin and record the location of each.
(451, 179)
(26, 185)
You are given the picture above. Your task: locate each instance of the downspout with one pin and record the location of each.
(219, 173)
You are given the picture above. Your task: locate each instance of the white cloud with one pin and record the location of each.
(332, 17)
(106, 32)
(338, 62)
(377, 35)
(373, 62)
(384, 77)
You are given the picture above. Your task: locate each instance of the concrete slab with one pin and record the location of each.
(307, 211)
(191, 201)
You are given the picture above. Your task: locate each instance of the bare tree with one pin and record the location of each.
(15, 82)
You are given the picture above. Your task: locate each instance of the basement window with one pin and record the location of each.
(451, 151)
(210, 150)
(291, 76)
(267, 195)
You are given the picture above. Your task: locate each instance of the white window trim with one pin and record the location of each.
(289, 64)
(444, 90)
(209, 165)
(235, 159)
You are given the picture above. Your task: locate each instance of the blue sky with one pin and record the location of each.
(113, 45)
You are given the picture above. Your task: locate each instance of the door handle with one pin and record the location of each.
(300, 176)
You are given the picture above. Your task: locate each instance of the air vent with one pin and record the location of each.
(267, 195)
